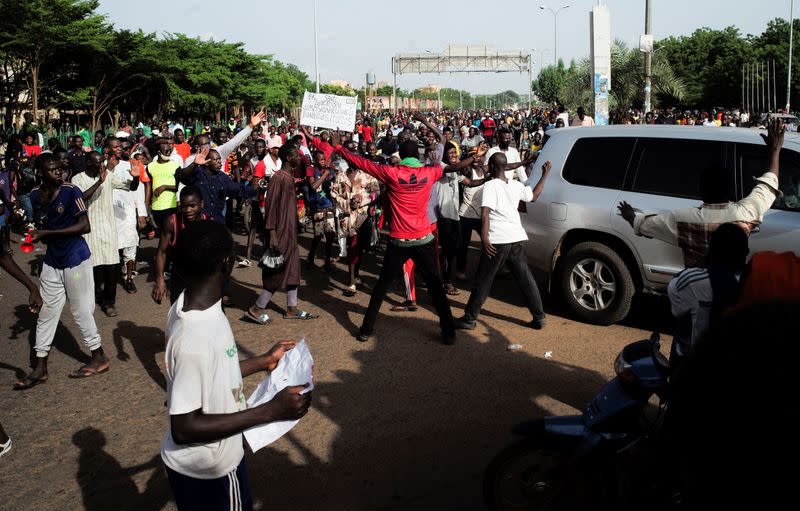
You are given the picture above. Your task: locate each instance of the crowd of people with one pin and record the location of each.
(417, 185)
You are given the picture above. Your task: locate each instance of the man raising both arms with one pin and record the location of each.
(408, 190)
(503, 241)
(202, 448)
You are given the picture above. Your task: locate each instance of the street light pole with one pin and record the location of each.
(316, 47)
(555, 28)
(648, 60)
(791, 34)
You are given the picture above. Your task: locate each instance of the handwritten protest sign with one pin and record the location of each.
(329, 111)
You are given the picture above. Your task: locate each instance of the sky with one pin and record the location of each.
(357, 36)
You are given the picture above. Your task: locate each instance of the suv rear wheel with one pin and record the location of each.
(595, 283)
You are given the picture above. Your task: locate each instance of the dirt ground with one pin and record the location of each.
(400, 422)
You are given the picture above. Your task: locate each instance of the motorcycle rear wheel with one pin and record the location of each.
(527, 474)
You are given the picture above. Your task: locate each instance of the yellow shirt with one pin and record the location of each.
(163, 174)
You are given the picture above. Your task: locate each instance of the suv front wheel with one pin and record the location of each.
(595, 283)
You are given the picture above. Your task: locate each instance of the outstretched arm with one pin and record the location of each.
(424, 120)
(377, 170)
(537, 190)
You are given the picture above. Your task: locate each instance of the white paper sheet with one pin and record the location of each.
(294, 368)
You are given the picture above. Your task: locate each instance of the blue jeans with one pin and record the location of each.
(26, 204)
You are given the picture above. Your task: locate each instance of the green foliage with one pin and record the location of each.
(627, 81)
(710, 63)
(550, 82)
(327, 88)
(33, 31)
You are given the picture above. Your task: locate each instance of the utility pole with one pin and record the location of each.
(648, 58)
(316, 47)
(791, 34)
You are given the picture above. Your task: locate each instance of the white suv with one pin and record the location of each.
(594, 259)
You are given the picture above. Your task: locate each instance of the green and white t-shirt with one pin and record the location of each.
(202, 373)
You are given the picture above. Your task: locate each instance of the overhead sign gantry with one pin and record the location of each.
(462, 59)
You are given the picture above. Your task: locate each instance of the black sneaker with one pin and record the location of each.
(362, 337)
(449, 339)
(464, 324)
(129, 286)
(538, 324)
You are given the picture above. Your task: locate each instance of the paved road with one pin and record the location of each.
(400, 422)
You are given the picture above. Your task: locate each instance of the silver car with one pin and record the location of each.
(593, 258)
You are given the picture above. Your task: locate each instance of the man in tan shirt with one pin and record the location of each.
(691, 228)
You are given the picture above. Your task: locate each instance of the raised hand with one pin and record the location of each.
(201, 158)
(775, 133)
(257, 118)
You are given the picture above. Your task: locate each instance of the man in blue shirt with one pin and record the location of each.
(67, 270)
(205, 172)
(320, 207)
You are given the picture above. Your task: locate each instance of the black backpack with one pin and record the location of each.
(26, 175)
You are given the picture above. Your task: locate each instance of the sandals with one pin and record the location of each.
(300, 315)
(350, 291)
(451, 290)
(28, 383)
(4, 448)
(262, 319)
(244, 263)
(88, 372)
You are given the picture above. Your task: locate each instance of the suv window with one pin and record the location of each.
(672, 166)
(753, 163)
(600, 161)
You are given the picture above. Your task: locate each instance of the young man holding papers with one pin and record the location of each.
(202, 448)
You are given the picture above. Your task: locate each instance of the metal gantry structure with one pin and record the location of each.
(462, 59)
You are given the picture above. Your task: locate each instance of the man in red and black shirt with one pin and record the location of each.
(408, 190)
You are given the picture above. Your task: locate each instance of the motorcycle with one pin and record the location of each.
(591, 460)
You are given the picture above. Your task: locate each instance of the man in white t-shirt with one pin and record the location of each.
(515, 166)
(202, 448)
(503, 241)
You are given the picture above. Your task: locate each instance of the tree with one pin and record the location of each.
(627, 80)
(32, 31)
(549, 82)
(710, 64)
(773, 45)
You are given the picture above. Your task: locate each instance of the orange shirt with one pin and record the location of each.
(183, 149)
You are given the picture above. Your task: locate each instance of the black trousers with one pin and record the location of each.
(450, 241)
(467, 226)
(424, 257)
(512, 254)
(159, 217)
(105, 284)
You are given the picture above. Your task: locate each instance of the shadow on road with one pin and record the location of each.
(147, 343)
(105, 484)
